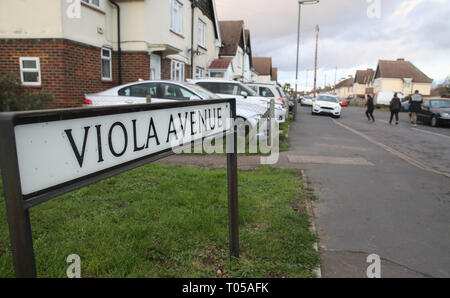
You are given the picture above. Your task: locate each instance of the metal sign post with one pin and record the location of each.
(44, 154)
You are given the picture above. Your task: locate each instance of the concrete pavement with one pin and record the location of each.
(381, 204)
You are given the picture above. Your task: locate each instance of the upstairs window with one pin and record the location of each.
(176, 17)
(201, 33)
(95, 3)
(30, 71)
(106, 55)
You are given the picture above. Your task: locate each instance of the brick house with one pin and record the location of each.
(70, 49)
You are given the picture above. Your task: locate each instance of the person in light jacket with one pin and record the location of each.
(395, 107)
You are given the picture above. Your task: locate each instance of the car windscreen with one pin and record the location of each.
(282, 94)
(205, 94)
(439, 104)
(327, 98)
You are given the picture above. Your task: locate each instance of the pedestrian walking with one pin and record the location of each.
(415, 106)
(395, 107)
(370, 108)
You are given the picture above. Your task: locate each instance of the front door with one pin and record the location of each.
(155, 67)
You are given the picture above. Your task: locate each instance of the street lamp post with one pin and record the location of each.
(300, 3)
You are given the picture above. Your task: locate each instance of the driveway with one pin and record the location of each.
(381, 190)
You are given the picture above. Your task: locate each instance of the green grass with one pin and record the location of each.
(166, 221)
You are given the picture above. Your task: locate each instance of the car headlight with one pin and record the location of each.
(445, 115)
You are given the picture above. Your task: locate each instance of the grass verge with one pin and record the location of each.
(170, 221)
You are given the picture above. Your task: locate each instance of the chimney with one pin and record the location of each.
(401, 59)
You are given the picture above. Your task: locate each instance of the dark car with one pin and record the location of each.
(435, 111)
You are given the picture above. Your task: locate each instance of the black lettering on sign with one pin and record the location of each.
(193, 132)
(202, 121)
(99, 143)
(78, 155)
(150, 135)
(213, 118)
(110, 139)
(183, 126)
(171, 131)
(219, 118)
(136, 148)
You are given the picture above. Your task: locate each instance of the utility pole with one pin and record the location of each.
(335, 76)
(315, 60)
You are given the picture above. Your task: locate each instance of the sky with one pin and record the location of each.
(354, 34)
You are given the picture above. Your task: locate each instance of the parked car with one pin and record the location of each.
(169, 91)
(435, 111)
(406, 104)
(271, 91)
(327, 104)
(383, 99)
(343, 102)
(233, 89)
(306, 100)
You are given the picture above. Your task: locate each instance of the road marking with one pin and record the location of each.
(329, 160)
(430, 132)
(399, 154)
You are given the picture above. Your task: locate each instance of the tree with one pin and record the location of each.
(15, 97)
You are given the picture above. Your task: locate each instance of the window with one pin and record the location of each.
(170, 91)
(140, 90)
(95, 3)
(216, 74)
(30, 71)
(199, 73)
(176, 17)
(254, 88)
(266, 92)
(177, 71)
(106, 64)
(201, 33)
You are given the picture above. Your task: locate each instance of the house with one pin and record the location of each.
(275, 75)
(362, 84)
(70, 48)
(263, 66)
(344, 88)
(400, 76)
(222, 68)
(234, 47)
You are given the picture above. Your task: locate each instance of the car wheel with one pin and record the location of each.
(434, 121)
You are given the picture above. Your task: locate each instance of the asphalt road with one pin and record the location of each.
(381, 190)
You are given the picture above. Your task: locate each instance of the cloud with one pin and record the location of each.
(416, 30)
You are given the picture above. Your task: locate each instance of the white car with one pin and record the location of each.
(306, 100)
(271, 91)
(233, 89)
(169, 91)
(327, 104)
(383, 99)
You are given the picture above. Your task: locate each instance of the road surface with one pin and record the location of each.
(381, 190)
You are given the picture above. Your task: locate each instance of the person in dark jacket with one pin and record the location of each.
(395, 107)
(370, 107)
(415, 106)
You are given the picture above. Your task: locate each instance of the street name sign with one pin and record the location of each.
(44, 154)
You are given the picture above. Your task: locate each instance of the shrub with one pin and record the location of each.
(15, 97)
